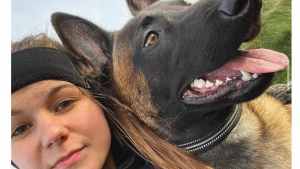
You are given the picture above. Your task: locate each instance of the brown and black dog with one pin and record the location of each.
(178, 66)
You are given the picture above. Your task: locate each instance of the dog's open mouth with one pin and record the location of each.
(244, 68)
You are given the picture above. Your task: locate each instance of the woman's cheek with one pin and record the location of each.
(25, 154)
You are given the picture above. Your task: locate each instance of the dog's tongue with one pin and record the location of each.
(259, 61)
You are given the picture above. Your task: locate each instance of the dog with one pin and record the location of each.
(179, 66)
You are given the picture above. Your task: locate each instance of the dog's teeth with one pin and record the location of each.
(192, 84)
(196, 83)
(218, 82)
(202, 82)
(246, 76)
(208, 84)
(199, 83)
(228, 79)
(255, 75)
(234, 77)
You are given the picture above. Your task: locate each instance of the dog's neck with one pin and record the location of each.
(216, 136)
(200, 133)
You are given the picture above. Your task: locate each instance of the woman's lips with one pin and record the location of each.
(68, 160)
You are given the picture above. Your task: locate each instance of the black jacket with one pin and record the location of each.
(125, 158)
(132, 161)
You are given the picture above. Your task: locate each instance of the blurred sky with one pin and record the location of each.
(33, 16)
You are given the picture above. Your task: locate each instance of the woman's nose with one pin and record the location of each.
(52, 131)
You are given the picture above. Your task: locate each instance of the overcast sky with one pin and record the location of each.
(33, 16)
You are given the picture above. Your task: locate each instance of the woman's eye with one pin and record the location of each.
(20, 129)
(151, 38)
(64, 104)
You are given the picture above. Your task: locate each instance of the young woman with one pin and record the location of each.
(61, 118)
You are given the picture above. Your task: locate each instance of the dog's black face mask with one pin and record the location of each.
(185, 57)
(175, 43)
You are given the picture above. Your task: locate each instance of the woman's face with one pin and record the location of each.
(55, 126)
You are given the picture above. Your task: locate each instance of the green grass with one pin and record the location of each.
(275, 33)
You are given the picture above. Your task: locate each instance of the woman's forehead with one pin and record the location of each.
(38, 90)
(44, 85)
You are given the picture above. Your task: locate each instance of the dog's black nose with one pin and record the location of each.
(233, 7)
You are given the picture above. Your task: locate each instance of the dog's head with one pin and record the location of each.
(174, 59)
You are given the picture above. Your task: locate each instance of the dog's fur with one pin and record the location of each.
(193, 40)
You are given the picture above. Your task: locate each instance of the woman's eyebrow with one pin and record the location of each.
(50, 94)
(15, 112)
(57, 88)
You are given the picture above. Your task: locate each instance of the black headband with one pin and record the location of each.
(41, 63)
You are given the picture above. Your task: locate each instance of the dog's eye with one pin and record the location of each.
(151, 38)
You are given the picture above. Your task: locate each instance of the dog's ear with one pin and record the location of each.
(137, 5)
(84, 39)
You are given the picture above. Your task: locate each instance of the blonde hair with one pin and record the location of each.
(124, 124)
